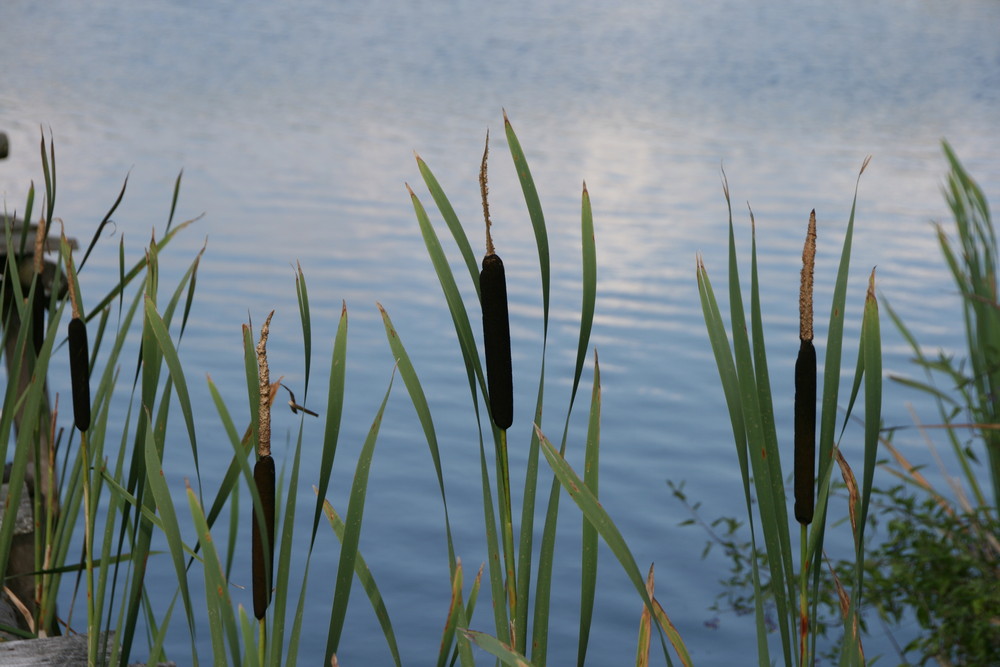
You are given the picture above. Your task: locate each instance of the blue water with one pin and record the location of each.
(296, 126)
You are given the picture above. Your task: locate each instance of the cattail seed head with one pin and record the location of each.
(496, 340)
(805, 432)
(79, 371)
(263, 477)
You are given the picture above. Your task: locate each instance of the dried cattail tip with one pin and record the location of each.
(806, 285)
(79, 372)
(263, 477)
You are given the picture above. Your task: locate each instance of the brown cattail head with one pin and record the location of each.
(263, 477)
(806, 284)
(79, 372)
(496, 340)
(805, 432)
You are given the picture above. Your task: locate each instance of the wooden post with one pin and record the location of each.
(22, 555)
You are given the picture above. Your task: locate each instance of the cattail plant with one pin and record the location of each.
(79, 355)
(499, 380)
(263, 476)
(805, 387)
(496, 322)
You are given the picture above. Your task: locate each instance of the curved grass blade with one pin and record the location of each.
(459, 315)
(303, 298)
(456, 619)
(283, 567)
(103, 224)
(221, 623)
(534, 212)
(136, 269)
(504, 653)
(173, 200)
(419, 400)
(171, 528)
(173, 362)
(367, 582)
(598, 517)
(352, 532)
(757, 442)
(588, 550)
(645, 626)
(334, 410)
(451, 219)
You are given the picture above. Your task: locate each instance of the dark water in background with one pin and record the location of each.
(295, 127)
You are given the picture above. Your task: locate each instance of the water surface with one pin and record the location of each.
(296, 126)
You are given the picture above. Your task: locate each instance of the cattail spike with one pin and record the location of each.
(79, 372)
(262, 568)
(805, 432)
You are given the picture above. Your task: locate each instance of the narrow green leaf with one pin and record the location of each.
(334, 410)
(220, 613)
(534, 212)
(352, 533)
(171, 529)
(303, 297)
(419, 400)
(173, 362)
(599, 519)
(367, 582)
(451, 219)
(588, 550)
(504, 653)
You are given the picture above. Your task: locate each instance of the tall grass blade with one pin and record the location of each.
(598, 517)
(451, 219)
(588, 550)
(367, 582)
(419, 400)
(352, 533)
(334, 410)
(171, 530)
(302, 293)
(221, 623)
(503, 652)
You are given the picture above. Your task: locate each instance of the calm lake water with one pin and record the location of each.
(295, 126)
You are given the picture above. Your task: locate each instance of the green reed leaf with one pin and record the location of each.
(599, 519)
(367, 582)
(419, 400)
(588, 549)
(352, 532)
(451, 219)
(170, 526)
(334, 411)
